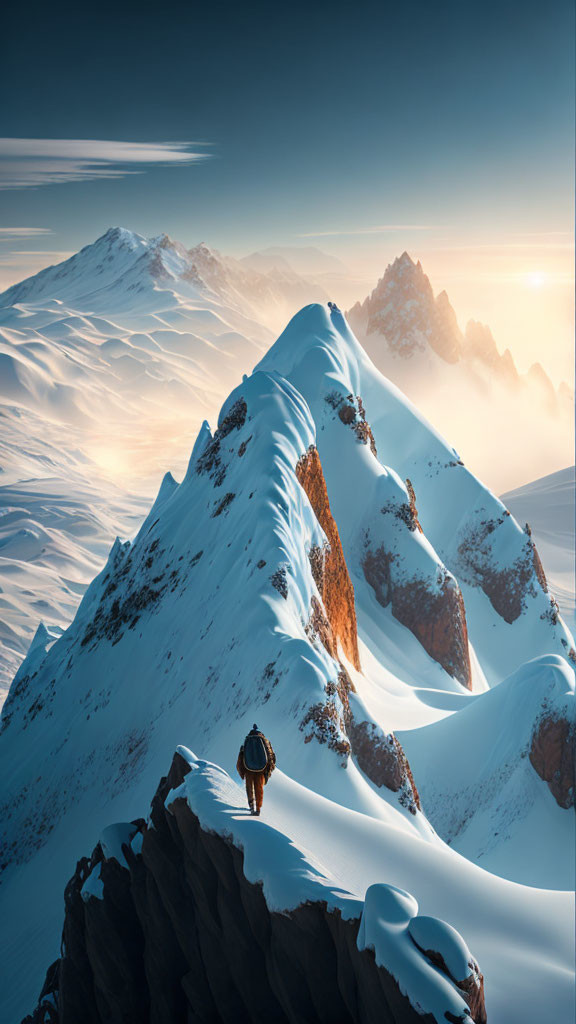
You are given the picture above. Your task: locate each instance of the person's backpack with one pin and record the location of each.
(255, 753)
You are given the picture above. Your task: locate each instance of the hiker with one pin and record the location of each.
(333, 307)
(256, 762)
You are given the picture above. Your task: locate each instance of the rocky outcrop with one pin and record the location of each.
(404, 310)
(352, 414)
(508, 584)
(339, 721)
(176, 933)
(431, 606)
(213, 460)
(552, 755)
(334, 721)
(381, 757)
(438, 621)
(328, 564)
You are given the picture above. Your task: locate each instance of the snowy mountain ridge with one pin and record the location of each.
(329, 954)
(121, 262)
(110, 361)
(329, 567)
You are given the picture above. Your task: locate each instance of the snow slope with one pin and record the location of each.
(55, 533)
(468, 527)
(548, 505)
(479, 787)
(507, 926)
(108, 363)
(228, 607)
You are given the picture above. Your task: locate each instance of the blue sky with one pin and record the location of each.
(438, 124)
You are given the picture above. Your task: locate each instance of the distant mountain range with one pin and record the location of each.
(406, 330)
(108, 363)
(111, 360)
(307, 260)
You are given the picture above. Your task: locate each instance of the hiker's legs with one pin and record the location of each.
(250, 791)
(259, 790)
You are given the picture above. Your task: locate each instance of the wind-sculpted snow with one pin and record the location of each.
(244, 597)
(158, 638)
(55, 532)
(497, 779)
(109, 361)
(467, 527)
(278, 910)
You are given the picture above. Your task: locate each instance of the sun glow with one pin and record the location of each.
(535, 279)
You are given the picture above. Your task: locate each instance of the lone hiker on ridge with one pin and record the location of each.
(256, 762)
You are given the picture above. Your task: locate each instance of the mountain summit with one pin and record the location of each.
(460, 378)
(403, 313)
(329, 568)
(121, 267)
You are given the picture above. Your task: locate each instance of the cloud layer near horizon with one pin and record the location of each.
(31, 163)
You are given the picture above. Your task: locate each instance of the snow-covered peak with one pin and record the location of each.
(102, 265)
(120, 236)
(323, 502)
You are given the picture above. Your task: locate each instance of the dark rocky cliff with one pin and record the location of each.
(178, 934)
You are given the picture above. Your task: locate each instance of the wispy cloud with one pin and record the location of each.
(31, 163)
(378, 229)
(23, 257)
(13, 234)
(501, 246)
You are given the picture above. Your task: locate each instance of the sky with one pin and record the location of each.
(444, 128)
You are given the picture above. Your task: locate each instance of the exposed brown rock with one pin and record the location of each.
(279, 580)
(212, 460)
(381, 757)
(328, 564)
(414, 521)
(318, 627)
(352, 413)
(538, 567)
(324, 722)
(438, 621)
(437, 618)
(378, 754)
(552, 756)
(377, 567)
(181, 935)
(506, 588)
(473, 989)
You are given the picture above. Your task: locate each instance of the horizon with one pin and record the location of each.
(371, 142)
(287, 405)
(466, 291)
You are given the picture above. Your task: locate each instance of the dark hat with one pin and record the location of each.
(255, 727)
